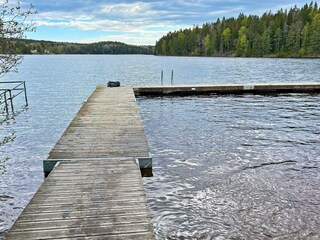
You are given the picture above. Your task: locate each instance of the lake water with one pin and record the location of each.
(237, 167)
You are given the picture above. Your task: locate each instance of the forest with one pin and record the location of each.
(286, 33)
(25, 46)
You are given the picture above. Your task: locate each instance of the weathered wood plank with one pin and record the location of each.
(57, 216)
(107, 125)
(95, 191)
(105, 231)
(28, 226)
(116, 207)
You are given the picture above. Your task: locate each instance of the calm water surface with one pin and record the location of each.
(225, 167)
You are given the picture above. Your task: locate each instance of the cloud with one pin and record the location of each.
(145, 20)
(127, 9)
(129, 18)
(227, 11)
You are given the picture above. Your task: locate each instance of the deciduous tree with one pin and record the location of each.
(14, 24)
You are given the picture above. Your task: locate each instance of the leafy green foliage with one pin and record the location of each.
(24, 46)
(293, 33)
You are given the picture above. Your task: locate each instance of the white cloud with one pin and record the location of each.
(62, 16)
(129, 18)
(112, 25)
(141, 21)
(126, 9)
(227, 12)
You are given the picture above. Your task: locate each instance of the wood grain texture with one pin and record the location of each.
(88, 200)
(95, 191)
(107, 125)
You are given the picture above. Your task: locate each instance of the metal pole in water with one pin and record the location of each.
(25, 93)
(171, 77)
(11, 101)
(5, 102)
(161, 77)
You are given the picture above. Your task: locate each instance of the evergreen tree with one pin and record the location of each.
(208, 45)
(315, 37)
(164, 47)
(278, 40)
(294, 32)
(305, 40)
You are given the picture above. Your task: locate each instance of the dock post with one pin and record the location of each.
(161, 77)
(171, 77)
(25, 93)
(11, 102)
(5, 102)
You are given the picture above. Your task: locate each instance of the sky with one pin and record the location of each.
(135, 22)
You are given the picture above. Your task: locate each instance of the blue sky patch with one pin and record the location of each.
(135, 22)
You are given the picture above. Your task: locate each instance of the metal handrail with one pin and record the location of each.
(3, 93)
(10, 93)
(5, 101)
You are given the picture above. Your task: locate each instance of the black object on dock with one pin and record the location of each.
(114, 84)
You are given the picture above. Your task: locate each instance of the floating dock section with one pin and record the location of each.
(184, 90)
(94, 188)
(107, 126)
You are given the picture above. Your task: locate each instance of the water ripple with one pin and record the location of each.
(200, 145)
(255, 170)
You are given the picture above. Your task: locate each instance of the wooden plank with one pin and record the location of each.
(95, 191)
(107, 125)
(115, 208)
(53, 216)
(44, 225)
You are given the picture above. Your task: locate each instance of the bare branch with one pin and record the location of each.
(13, 25)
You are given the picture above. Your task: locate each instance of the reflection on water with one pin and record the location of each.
(235, 167)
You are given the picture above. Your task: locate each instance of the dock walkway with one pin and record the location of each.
(108, 125)
(94, 188)
(88, 200)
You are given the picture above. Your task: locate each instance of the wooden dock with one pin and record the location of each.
(88, 200)
(94, 188)
(108, 125)
(251, 88)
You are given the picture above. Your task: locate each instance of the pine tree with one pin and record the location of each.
(294, 32)
(315, 37)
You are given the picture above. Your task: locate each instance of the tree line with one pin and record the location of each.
(25, 46)
(293, 33)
